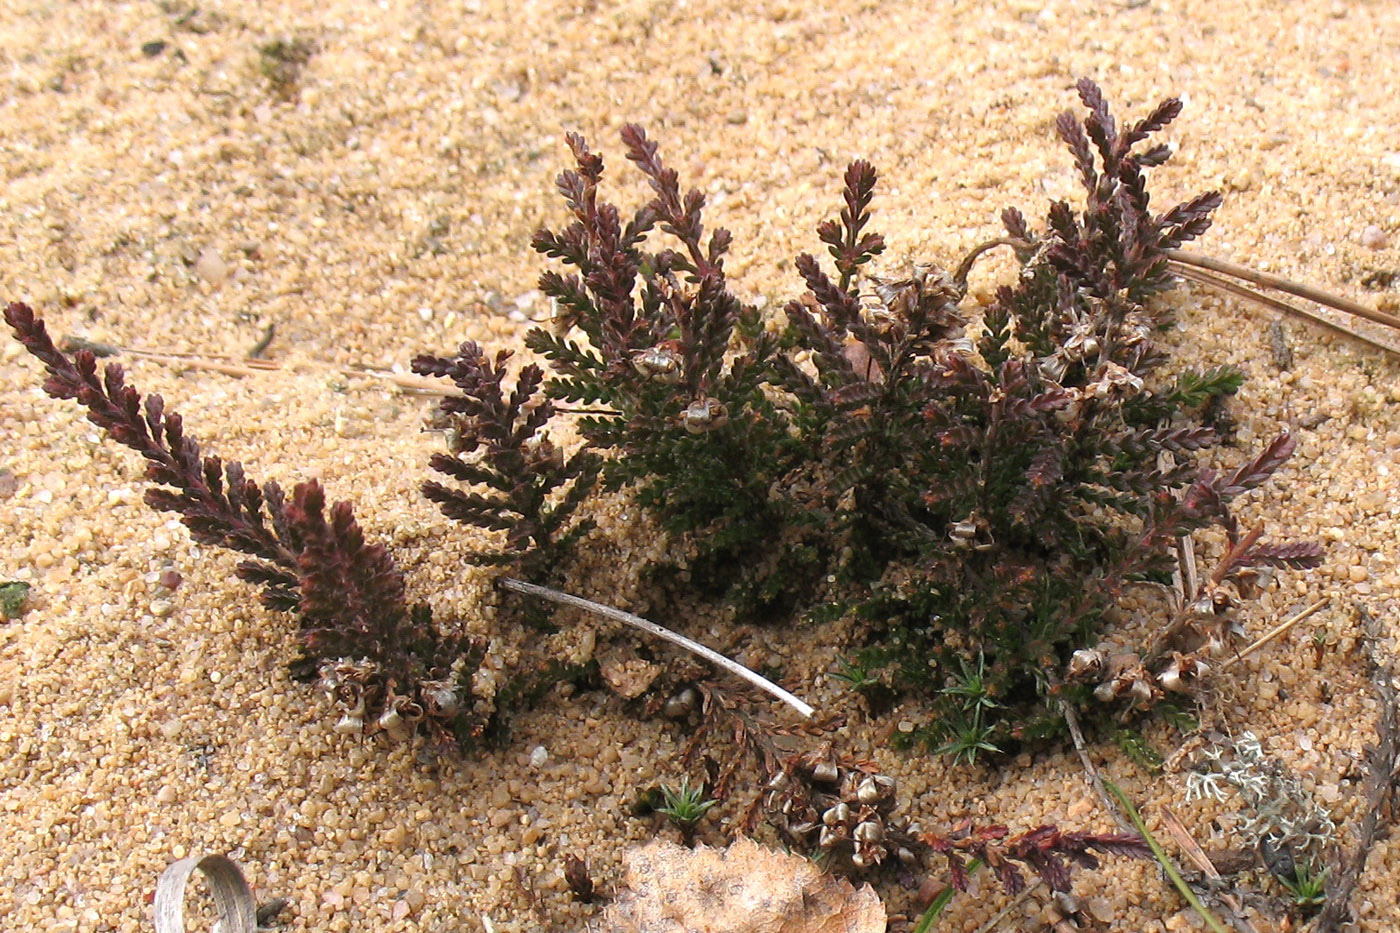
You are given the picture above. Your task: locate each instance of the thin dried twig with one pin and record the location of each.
(1233, 909)
(994, 921)
(1091, 772)
(1279, 283)
(1273, 633)
(234, 366)
(1235, 288)
(627, 618)
(1379, 788)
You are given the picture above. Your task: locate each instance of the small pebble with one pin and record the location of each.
(1373, 237)
(539, 756)
(1100, 909)
(211, 267)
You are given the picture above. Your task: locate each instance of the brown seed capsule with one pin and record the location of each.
(682, 704)
(1085, 664)
(963, 532)
(1183, 669)
(576, 874)
(440, 698)
(661, 363)
(869, 832)
(834, 816)
(875, 788)
(353, 722)
(349, 725)
(539, 452)
(1107, 691)
(825, 772)
(702, 415)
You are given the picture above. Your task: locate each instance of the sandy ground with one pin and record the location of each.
(377, 202)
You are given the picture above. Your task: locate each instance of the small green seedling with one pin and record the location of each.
(968, 734)
(685, 807)
(1308, 887)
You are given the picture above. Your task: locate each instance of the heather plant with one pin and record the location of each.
(983, 483)
(671, 365)
(976, 485)
(498, 442)
(384, 660)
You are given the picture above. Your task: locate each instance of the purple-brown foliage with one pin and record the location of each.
(347, 594)
(1045, 851)
(499, 443)
(994, 477)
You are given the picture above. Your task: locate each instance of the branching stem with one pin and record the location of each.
(965, 267)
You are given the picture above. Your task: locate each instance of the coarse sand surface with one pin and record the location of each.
(365, 178)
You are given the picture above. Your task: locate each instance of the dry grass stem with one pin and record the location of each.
(1273, 633)
(1279, 283)
(993, 922)
(1235, 288)
(251, 366)
(1198, 857)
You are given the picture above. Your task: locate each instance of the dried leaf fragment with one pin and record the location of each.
(742, 888)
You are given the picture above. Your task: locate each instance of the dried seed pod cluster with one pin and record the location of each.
(841, 810)
(662, 363)
(706, 414)
(369, 703)
(1207, 629)
(1124, 675)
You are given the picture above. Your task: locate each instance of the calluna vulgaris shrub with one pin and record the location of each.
(980, 483)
